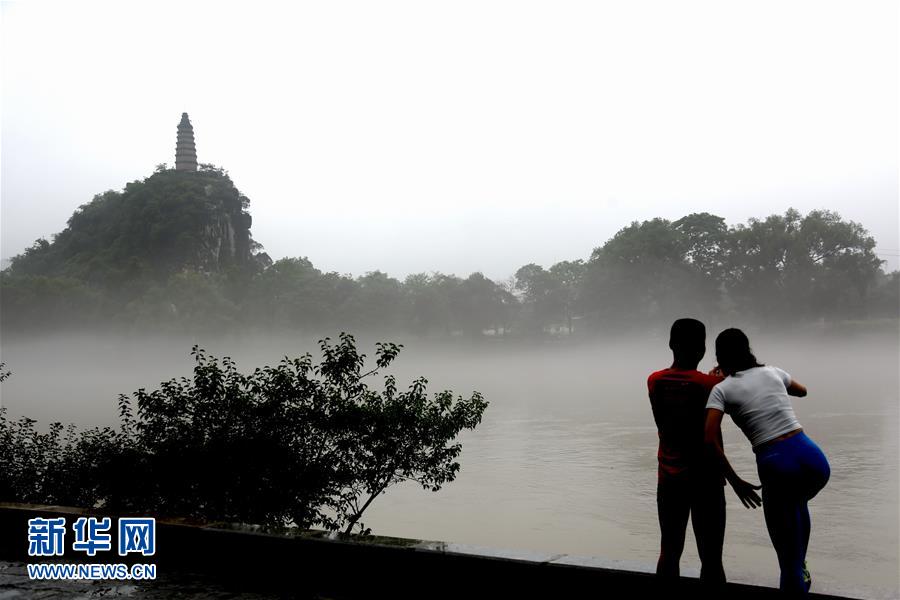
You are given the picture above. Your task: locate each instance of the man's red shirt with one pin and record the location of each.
(678, 398)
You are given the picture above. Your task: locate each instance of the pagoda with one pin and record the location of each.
(185, 151)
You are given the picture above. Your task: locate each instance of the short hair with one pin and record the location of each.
(686, 333)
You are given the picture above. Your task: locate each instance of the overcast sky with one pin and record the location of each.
(457, 136)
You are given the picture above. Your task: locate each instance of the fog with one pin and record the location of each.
(397, 138)
(564, 460)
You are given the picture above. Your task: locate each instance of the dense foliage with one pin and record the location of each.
(783, 268)
(174, 252)
(129, 256)
(298, 443)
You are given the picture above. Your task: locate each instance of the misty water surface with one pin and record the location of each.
(564, 460)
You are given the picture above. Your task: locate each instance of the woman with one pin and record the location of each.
(792, 468)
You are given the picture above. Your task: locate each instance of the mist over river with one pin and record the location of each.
(565, 458)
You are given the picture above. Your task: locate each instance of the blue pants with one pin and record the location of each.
(791, 471)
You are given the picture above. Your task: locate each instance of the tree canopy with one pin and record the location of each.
(174, 251)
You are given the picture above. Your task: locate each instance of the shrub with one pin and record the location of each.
(295, 444)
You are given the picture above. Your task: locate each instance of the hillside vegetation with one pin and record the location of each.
(174, 252)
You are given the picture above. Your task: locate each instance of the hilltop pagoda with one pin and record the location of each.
(185, 151)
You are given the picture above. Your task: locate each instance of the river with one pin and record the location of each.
(564, 460)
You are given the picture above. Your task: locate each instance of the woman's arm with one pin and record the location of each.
(713, 437)
(796, 389)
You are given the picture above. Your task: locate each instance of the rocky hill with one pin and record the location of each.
(169, 222)
(137, 251)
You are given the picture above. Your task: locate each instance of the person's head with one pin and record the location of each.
(687, 339)
(733, 352)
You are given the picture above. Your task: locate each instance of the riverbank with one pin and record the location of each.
(212, 561)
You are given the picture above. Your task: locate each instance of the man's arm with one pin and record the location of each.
(713, 437)
(651, 388)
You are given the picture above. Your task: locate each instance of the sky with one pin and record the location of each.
(457, 136)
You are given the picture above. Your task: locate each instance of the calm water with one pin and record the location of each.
(564, 460)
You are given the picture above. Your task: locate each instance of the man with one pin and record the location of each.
(690, 482)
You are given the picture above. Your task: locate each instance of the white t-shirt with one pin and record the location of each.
(758, 403)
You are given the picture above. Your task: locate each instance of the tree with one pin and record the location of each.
(376, 301)
(790, 266)
(705, 237)
(298, 443)
(32, 302)
(542, 299)
(838, 258)
(428, 308)
(291, 293)
(392, 436)
(885, 298)
(481, 304)
(641, 275)
(569, 276)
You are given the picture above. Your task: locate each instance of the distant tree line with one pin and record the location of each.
(162, 254)
(786, 268)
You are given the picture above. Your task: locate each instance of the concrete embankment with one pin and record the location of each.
(310, 565)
